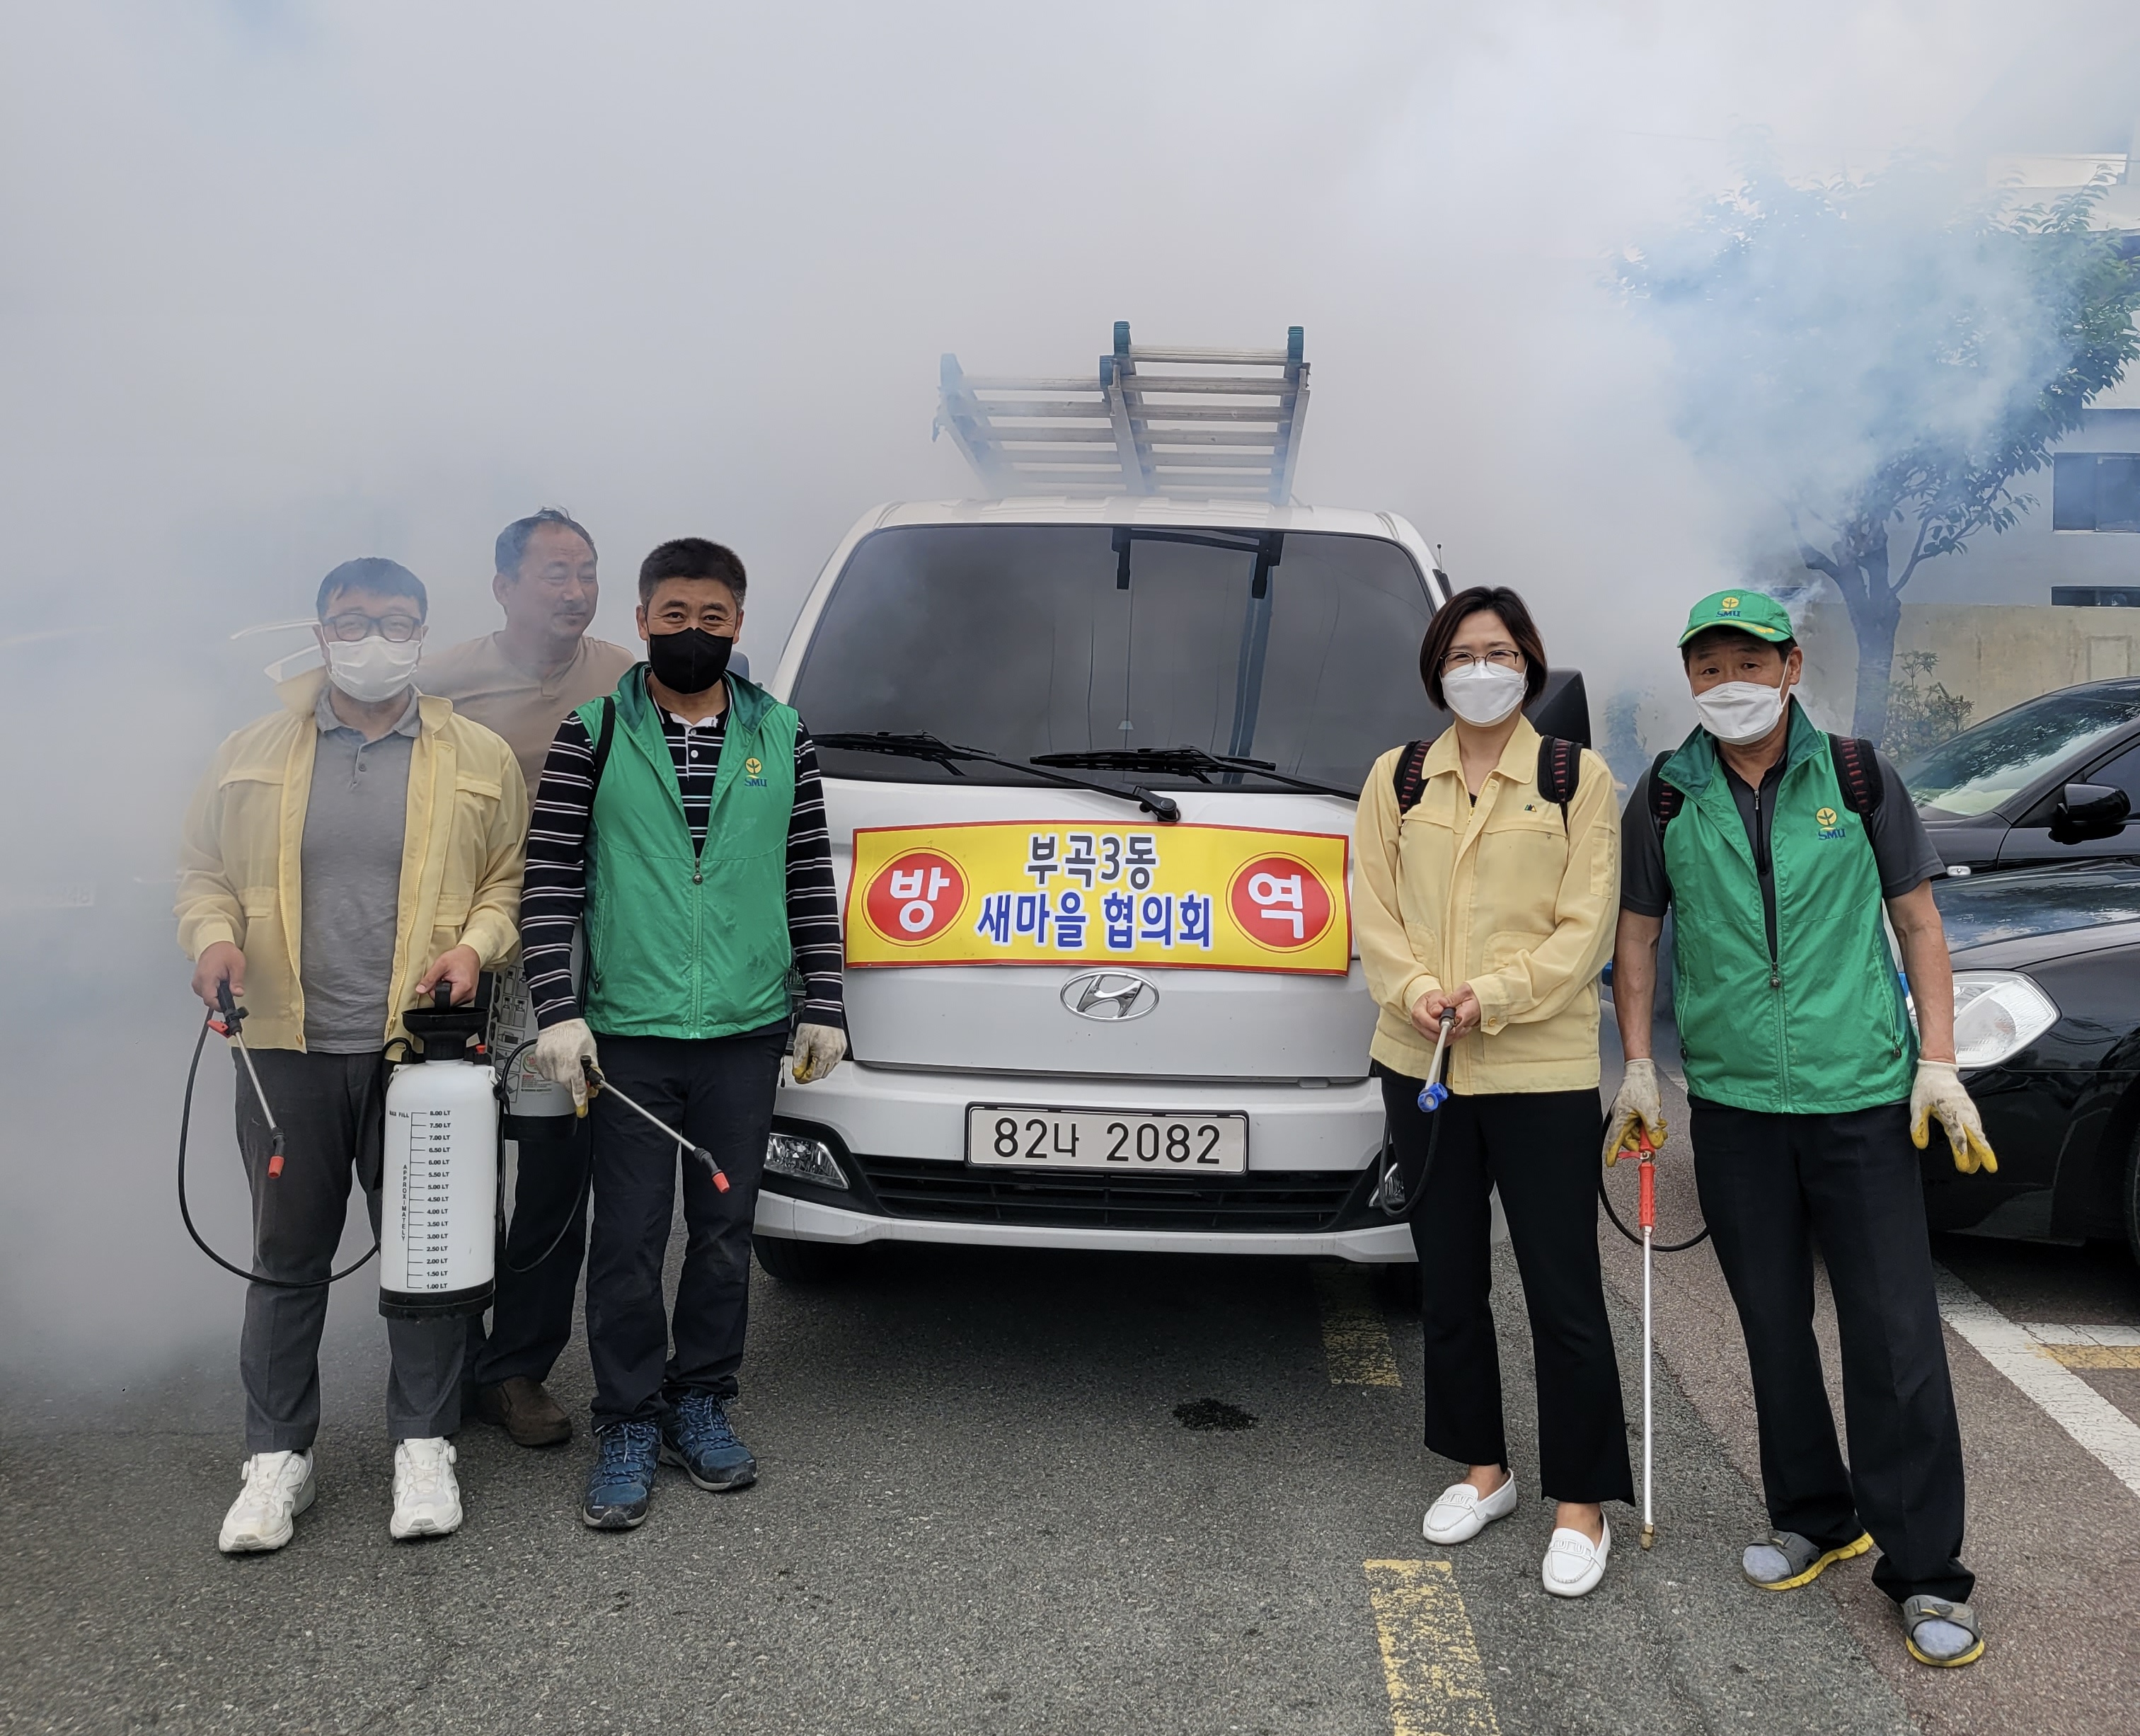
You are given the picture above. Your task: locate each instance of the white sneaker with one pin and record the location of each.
(278, 1487)
(1462, 1513)
(1573, 1564)
(427, 1501)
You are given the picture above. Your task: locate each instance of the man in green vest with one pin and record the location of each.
(1778, 849)
(679, 828)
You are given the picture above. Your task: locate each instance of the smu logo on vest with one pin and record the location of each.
(1829, 822)
(754, 772)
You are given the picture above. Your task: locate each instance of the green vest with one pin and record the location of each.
(1821, 1028)
(681, 943)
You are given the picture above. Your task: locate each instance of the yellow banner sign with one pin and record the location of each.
(1015, 892)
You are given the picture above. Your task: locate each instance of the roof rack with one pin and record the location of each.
(1230, 429)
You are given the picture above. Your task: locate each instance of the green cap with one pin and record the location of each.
(1750, 611)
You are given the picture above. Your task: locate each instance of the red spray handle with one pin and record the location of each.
(1646, 1202)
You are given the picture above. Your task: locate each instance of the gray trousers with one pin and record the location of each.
(333, 1112)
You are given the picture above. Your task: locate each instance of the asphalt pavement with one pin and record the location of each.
(1038, 1493)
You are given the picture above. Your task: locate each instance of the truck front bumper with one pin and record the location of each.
(899, 1136)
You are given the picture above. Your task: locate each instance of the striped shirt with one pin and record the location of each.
(556, 889)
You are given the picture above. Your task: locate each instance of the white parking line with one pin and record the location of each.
(2110, 1435)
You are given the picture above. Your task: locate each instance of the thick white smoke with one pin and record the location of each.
(287, 283)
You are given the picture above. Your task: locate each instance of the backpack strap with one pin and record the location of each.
(1665, 799)
(602, 741)
(1559, 771)
(1409, 776)
(1858, 770)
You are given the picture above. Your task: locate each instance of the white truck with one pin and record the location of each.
(1091, 751)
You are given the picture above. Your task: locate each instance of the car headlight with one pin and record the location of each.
(1997, 1013)
(805, 1159)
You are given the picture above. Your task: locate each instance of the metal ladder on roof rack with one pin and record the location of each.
(1229, 430)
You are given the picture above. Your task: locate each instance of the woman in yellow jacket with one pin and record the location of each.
(1488, 901)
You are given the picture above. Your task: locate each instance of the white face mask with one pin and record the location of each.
(1739, 712)
(1483, 694)
(373, 669)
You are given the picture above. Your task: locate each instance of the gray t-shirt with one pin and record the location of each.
(1902, 850)
(355, 820)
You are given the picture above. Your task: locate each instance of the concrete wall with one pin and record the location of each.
(1994, 654)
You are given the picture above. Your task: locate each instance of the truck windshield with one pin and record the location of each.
(1300, 649)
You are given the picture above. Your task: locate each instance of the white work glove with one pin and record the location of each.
(1636, 1109)
(818, 1049)
(560, 1051)
(1938, 1091)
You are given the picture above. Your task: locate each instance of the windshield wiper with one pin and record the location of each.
(1188, 763)
(921, 745)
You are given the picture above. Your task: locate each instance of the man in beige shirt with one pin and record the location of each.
(520, 682)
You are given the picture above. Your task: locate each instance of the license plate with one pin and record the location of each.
(1020, 1136)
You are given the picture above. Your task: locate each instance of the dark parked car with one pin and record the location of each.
(2047, 1029)
(2049, 781)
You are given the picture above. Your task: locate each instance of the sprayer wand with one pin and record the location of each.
(232, 1025)
(596, 1082)
(1390, 1193)
(1647, 1216)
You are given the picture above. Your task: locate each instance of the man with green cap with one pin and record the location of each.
(1778, 847)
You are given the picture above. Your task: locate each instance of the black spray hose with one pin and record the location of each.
(274, 1161)
(587, 1177)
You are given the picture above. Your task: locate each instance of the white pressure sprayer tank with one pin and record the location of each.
(438, 1235)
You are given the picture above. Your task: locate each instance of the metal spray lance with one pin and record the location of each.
(596, 1082)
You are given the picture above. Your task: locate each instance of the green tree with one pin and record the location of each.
(1888, 362)
(1921, 713)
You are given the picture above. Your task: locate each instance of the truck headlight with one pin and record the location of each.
(805, 1159)
(1997, 1013)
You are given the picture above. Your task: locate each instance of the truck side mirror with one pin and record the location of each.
(2089, 811)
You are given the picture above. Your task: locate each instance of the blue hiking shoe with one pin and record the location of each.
(620, 1485)
(696, 1436)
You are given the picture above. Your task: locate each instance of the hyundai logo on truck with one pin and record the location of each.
(1109, 994)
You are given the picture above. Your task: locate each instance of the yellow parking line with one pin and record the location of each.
(1356, 1338)
(1430, 1658)
(2094, 1355)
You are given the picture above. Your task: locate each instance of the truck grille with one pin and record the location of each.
(954, 1194)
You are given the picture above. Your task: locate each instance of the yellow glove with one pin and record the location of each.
(818, 1049)
(1636, 1109)
(1938, 1091)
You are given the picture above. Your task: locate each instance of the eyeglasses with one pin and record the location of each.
(394, 629)
(1503, 658)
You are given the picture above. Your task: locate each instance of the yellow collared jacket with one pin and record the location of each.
(1500, 895)
(462, 855)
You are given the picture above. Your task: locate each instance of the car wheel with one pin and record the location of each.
(1399, 1285)
(2132, 1199)
(802, 1262)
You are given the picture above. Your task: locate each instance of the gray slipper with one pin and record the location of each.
(1943, 1634)
(1783, 1561)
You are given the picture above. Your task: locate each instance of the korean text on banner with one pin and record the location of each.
(1015, 892)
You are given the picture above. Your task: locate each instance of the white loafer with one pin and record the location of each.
(1573, 1564)
(1462, 1513)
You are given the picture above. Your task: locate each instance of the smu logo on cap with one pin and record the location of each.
(1725, 605)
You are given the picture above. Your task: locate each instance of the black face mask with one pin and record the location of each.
(688, 662)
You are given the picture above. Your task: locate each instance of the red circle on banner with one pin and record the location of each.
(914, 897)
(1279, 902)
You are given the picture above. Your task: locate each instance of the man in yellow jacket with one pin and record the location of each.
(342, 859)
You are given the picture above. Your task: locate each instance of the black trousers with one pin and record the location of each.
(1540, 1149)
(531, 1318)
(333, 1110)
(719, 1093)
(1772, 1187)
